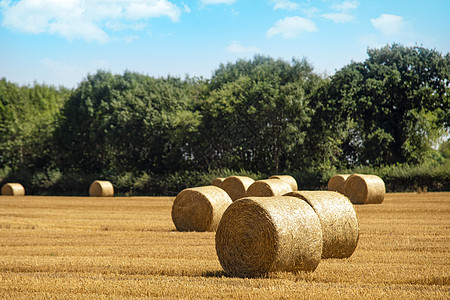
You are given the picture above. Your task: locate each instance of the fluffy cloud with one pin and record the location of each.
(388, 24)
(74, 19)
(292, 27)
(285, 4)
(343, 14)
(338, 17)
(236, 47)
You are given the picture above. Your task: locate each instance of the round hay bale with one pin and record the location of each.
(101, 188)
(364, 189)
(337, 182)
(288, 179)
(13, 189)
(268, 188)
(199, 208)
(236, 186)
(218, 181)
(258, 235)
(340, 229)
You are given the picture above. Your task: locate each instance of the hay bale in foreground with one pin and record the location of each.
(288, 179)
(337, 183)
(13, 189)
(101, 188)
(218, 181)
(258, 235)
(340, 229)
(364, 189)
(268, 188)
(199, 208)
(236, 186)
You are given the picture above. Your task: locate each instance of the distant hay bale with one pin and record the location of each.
(337, 182)
(364, 189)
(101, 188)
(236, 186)
(340, 230)
(218, 181)
(288, 179)
(268, 188)
(13, 189)
(258, 235)
(199, 208)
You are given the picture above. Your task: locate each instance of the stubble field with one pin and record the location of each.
(102, 248)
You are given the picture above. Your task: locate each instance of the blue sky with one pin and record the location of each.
(59, 42)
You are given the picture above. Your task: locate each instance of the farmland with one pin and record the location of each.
(127, 247)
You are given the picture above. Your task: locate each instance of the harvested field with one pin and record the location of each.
(74, 247)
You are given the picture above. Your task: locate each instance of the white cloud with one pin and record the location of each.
(206, 2)
(87, 20)
(338, 17)
(285, 4)
(346, 6)
(292, 27)
(236, 47)
(388, 24)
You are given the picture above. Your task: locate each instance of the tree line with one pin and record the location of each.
(261, 115)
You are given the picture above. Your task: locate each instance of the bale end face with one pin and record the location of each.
(199, 209)
(13, 189)
(258, 235)
(236, 186)
(217, 182)
(288, 179)
(364, 189)
(101, 188)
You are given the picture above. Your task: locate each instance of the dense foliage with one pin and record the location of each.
(256, 117)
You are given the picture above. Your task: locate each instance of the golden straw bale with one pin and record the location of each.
(258, 235)
(218, 181)
(337, 182)
(288, 179)
(340, 230)
(364, 189)
(268, 188)
(13, 189)
(199, 208)
(101, 188)
(236, 186)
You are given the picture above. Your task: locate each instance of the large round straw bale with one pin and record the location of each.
(337, 182)
(13, 189)
(340, 230)
(199, 208)
(288, 179)
(364, 189)
(268, 188)
(218, 181)
(258, 235)
(236, 186)
(101, 188)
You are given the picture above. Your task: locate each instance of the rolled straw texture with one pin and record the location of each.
(364, 189)
(337, 183)
(258, 235)
(199, 208)
(268, 188)
(288, 179)
(236, 186)
(218, 181)
(340, 229)
(101, 188)
(13, 189)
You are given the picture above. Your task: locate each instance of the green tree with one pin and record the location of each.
(256, 114)
(401, 104)
(128, 122)
(27, 122)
